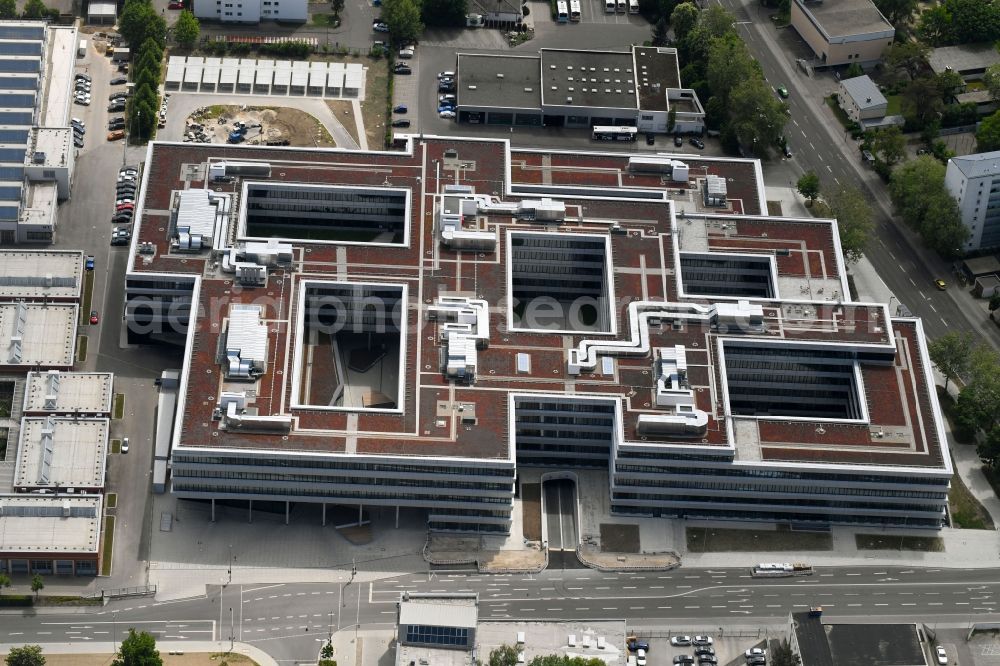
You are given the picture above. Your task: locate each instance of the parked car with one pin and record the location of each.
(447, 115)
(116, 134)
(116, 107)
(119, 80)
(125, 445)
(446, 75)
(942, 656)
(402, 122)
(120, 236)
(680, 641)
(402, 69)
(704, 650)
(94, 318)
(82, 100)
(450, 99)
(697, 143)
(123, 68)
(175, 5)
(755, 652)
(78, 141)
(678, 141)
(88, 263)
(640, 657)
(124, 206)
(399, 108)
(121, 94)
(637, 644)
(683, 659)
(378, 26)
(80, 76)
(650, 140)
(701, 640)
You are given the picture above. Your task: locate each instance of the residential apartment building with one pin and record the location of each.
(974, 181)
(407, 329)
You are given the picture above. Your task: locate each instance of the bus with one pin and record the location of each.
(562, 13)
(574, 11)
(633, 6)
(608, 133)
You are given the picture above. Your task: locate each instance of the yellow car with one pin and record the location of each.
(940, 284)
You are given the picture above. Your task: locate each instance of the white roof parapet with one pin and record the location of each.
(466, 330)
(673, 390)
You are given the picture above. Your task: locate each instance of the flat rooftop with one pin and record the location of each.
(647, 237)
(657, 70)
(53, 525)
(572, 639)
(33, 334)
(68, 392)
(35, 275)
(963, 57)
(843, 18)
(498, 81)
(595, 79)
(61, 453)
(835, 644)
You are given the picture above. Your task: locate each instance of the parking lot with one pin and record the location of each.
(728, 649)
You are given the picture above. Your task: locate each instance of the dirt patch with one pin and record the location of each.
(716, 540)
(610, 561)
(505, 560)
(619, 538)
(375, 106)
(531, 511)
(344, 111)
(193, 659)
(262, 125)
(774, 208)
(893, 542)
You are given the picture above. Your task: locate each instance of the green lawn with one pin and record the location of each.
(118, 411)
(112, 500)
(831, 101)
(81, 349)
(966, 511)
(116, 446)
(88, 297)
(109, 544)
(894, 107)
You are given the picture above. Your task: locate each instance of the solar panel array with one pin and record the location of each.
(21, 49)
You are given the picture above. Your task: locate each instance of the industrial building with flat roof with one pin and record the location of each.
(50, 534)
(37, 335)
(36, 142)
(41, 275)
(578, 88)
(633, 312)
(842, 32)
(68, 393)
(61, 455)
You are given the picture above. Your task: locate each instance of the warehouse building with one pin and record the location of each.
(48, 535)
(578, 88)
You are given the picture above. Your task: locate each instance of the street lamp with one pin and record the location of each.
(230, 570)
(232, 630)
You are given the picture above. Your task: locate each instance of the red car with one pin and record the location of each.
(94, 319)
(175, 5)
(124, 206)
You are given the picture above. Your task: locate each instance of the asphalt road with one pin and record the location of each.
(287, 620)
(820, 144)
(560, 514)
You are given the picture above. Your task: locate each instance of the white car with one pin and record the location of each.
(446, 114)
(942, 656)
(755, 652)
(125, 445)
(640, 657)
(680, 641)
(702, 640)
(380, 27)
(446, 75)
(83, 101)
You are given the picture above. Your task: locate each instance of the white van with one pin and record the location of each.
(609, 6)
(622, 6)
(633, 6)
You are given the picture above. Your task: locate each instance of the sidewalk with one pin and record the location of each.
(164, 647)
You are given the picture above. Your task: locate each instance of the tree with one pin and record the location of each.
(138, 649)
(924, 203)
(952, 354)
(683, 19)
(991, 79)
(934, 26)
(974, 20)
(976, 408)
(808, 186)
(8, 9)
(37, 584)
(4, 581)
(29, 655)
(922, 102)
(783, 655)
(659, 32)
(403, 19)
(889, 145)
(909, 56)
(899, 12)
(853, 70)
(34, 9)
(505, 655)
(989, 449)
(943, 230)
(988, 134)
(444, 12)
(186, 30)
(854, 220)
(756, 116)
(140, 21)
(729, 64)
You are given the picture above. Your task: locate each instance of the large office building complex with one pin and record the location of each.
(406, 329)
(974, 181)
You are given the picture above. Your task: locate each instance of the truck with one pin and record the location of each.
(474, 21)
(781, 569)
(81, 51)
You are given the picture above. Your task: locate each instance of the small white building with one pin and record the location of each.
(865, 104)
(100, 12)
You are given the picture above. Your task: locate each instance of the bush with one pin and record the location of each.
(956, 115)
(16, 600)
